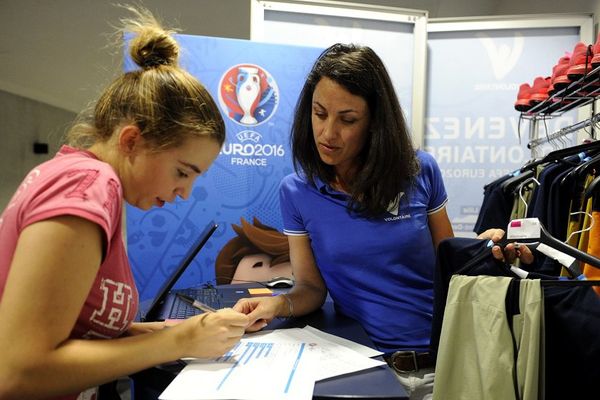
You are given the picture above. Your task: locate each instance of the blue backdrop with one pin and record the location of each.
(256, 86)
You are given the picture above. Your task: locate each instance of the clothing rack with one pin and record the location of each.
(574, 252)
(564, 131)
(568, 283)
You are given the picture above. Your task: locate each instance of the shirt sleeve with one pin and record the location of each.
(289, 193)
(432, 175)
(89, 193)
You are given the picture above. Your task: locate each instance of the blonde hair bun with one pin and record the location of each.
(167, 103)
(152, 44)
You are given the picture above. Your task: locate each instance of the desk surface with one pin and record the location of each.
(373, 383)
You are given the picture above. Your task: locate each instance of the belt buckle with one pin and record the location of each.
(404, 353)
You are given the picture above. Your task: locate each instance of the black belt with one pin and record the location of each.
(409, 361)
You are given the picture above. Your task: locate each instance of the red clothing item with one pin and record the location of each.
(76, 183)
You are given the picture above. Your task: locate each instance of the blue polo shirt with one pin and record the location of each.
(378, 271)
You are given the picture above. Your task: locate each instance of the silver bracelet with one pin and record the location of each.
(290, 305)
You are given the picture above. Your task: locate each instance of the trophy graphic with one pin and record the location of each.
(248, 92)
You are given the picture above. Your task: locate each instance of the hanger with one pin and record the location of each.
(569, 282)
(521, 186)
(589, 228)
(509, 185)
(502, 179)
(580, 171)
(589, 191)
(560, 154)
(539, 233)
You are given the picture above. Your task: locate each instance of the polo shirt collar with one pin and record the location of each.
(327, 189)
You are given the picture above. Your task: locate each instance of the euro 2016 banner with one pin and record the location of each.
(256, 86)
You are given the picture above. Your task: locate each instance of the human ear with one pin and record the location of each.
(130, 139)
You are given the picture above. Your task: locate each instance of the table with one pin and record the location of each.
(373, 383)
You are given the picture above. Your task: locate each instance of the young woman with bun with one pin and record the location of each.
(67, 294)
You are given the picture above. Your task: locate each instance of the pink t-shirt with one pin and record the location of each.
(76, 183)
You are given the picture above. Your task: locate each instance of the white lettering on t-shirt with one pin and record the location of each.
(116, 305)
(397, 217)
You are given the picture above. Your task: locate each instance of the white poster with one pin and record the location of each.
(472, 128)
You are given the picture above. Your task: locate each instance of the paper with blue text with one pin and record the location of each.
(272, 365)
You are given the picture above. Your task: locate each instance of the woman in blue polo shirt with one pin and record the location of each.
(364, 213)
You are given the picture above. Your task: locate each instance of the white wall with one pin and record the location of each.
(62, 52)
(22, 123)
(596, 11)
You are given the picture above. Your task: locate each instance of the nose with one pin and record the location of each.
(328, 129)
(184, 191)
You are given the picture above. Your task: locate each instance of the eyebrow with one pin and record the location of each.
(339, 112)
(191, 166)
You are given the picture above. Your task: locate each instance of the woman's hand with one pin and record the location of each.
(511, 251)
(494, 234)
(212, 334)
(260, 310)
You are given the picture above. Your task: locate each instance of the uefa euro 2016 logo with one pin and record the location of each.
(249, 94)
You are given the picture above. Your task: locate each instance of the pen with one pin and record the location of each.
(195, 303)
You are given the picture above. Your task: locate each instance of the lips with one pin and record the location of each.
(327, 148)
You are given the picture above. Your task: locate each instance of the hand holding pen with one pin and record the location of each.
(211, 333)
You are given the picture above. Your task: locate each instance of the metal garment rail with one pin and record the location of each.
(564, 131)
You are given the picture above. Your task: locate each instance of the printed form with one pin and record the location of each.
(251, 370)
(272, 365)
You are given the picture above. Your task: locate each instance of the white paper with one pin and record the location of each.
(252, 370)
(281, 364)
(359, 348)
(333, 359)
(336, 359)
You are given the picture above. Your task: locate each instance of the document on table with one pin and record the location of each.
(359, 348)
(333, 358)
(251, 370)
(272, 365)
